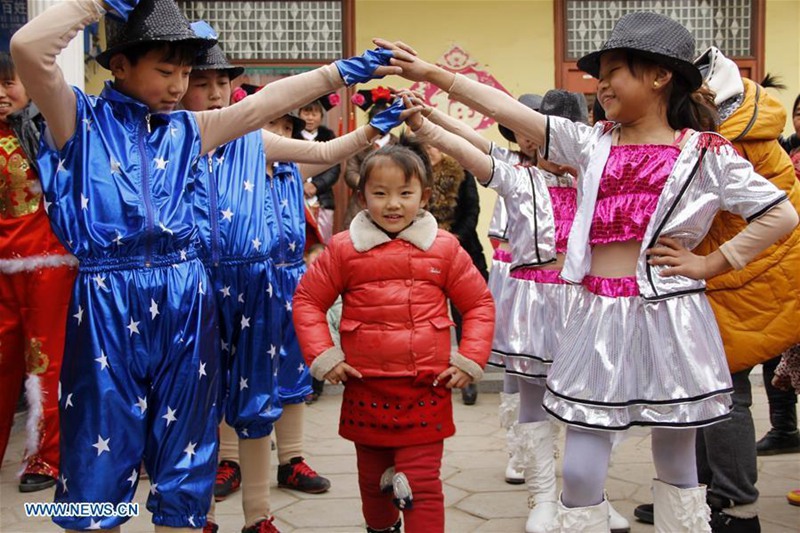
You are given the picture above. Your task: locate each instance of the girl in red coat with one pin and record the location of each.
(395, 271)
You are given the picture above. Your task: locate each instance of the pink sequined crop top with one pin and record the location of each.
(564, 206)
(629, 190)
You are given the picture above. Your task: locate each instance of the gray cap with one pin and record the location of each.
(532, 101)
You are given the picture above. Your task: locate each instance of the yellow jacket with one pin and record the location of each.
(758, 308)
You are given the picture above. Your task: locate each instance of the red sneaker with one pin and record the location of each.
(229, 478)
(297, 475)
(210, 527)
(262, 526)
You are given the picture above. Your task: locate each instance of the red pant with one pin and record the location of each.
(421, 466)
(33, 318)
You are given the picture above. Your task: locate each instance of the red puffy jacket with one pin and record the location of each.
(395, 318)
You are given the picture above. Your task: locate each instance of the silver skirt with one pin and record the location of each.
(498, 283)
(537, 314)
(624, 362)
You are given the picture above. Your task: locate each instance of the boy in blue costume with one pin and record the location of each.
(118, 171)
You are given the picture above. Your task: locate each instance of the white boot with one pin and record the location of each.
(680, 510)
(508, 413)
(617, 522)
(534, 444)
(592, 519)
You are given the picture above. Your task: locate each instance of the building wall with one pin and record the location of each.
(513, 40)
(782, 50)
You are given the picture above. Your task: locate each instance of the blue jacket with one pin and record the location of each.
(120, 191)
(287, 204)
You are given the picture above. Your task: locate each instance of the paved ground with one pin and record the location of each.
(477, 498)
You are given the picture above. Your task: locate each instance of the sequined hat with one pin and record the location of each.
(151, 21)
(214, 59)
(529, 100)
(655, 37)
(561, 103)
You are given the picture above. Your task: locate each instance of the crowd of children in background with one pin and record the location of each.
(189, 318)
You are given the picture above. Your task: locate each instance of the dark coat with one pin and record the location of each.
(324, 181)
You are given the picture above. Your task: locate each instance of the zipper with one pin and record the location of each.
(213, 195)
(657, 233)
(752, 118)
(279, 217)
(148, 201)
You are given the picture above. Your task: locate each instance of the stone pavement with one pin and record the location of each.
(477, 498)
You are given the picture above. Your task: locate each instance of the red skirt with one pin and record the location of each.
(394, 412)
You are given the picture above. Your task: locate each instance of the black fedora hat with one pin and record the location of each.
(214, 59)
(655, 37)
(151, 21)
(561, 103)
(529, 100)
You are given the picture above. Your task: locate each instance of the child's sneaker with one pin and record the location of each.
(297, 475)
(229, 478)
(262, 526)
(391, 529)
(397, 483)
(210, 527)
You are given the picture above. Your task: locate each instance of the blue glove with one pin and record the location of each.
(389, 118)
(203, 29)
(361, 68)
(120, 9)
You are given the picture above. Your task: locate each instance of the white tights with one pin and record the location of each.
(588, 451)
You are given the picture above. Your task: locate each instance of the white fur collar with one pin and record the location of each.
(366, 235)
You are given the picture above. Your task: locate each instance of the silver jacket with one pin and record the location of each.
(531, 225)
(708, 176)
(498, 226)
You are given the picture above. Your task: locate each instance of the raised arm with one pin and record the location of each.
(278, 148)
(35, 47)
(487, 100)
(453, 125)
(472, 159)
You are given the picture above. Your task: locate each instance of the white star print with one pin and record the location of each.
(79, 315)
(103, 360)
(285, 203)
(118, 239)
(133, 327)
(189, 450)
(84, 202)
(59, 391)
(243, 383)
(165, 229)
(153, 309)
(68, 403)
(114, 165)
(154, 489)
(288, 305)
(170, 416)
(346, 79)
(240, 298)
(60, 166)
(141, 404)
(200, 289)
(100, 281)
(88, 123)
(101, 445)
(46, 205)
(161, 163)
(182, 254)
(63, 481)
(269, 290)
(172, 131)
(300, 368)
(227, 215)
(272, 350)
(191, 521)
(248, 186)
(244, 433)
(245, 322)
(202, 370)
(224, 345)
(93, 524)
(134, 477)
(257, 243)
(220, 159)
(226, 291)
(292, 246)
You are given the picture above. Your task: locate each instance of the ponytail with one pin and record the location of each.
(691, 109)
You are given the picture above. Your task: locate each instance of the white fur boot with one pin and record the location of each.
(592, 519)
(680, 510)
(617, 522)
(508, 413)
(534, 444)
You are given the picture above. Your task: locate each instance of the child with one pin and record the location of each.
(141, 376)
(36, 276)
(395, 271)
(539, 199)
(642, 346)
(238, 227)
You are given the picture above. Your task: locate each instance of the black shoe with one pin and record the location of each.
(391, 529)
(469, 394)
(725, 523)
(644, 513)
(776, 442)
(35, 482)
(297, 475)
(228, 481)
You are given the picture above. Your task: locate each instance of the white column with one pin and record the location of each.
(70, 59)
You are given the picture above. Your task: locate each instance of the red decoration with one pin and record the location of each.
(381, 94)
